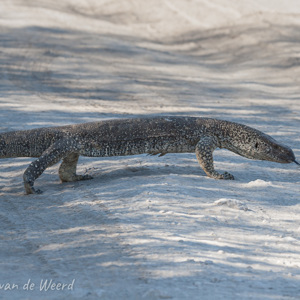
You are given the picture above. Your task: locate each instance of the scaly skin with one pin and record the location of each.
(158, 135)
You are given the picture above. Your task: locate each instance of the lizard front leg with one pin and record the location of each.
(51, 156)
(204, 154)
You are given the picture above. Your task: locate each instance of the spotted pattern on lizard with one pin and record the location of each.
(120, 137)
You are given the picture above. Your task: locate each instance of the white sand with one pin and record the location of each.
(148, 227)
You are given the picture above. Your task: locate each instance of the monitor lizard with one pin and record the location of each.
(152, 135)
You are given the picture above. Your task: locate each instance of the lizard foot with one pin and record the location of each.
(84, 177)
(227, 176)
(75, 178)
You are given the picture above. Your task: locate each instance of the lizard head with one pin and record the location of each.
(254, 144)
(267, 148)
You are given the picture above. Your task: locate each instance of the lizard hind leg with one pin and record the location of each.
(67, 169)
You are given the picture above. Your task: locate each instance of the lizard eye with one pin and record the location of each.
(256, 145)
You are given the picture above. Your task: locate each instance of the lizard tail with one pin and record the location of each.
(296, 162)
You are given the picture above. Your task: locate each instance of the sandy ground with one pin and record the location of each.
(148, 227)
